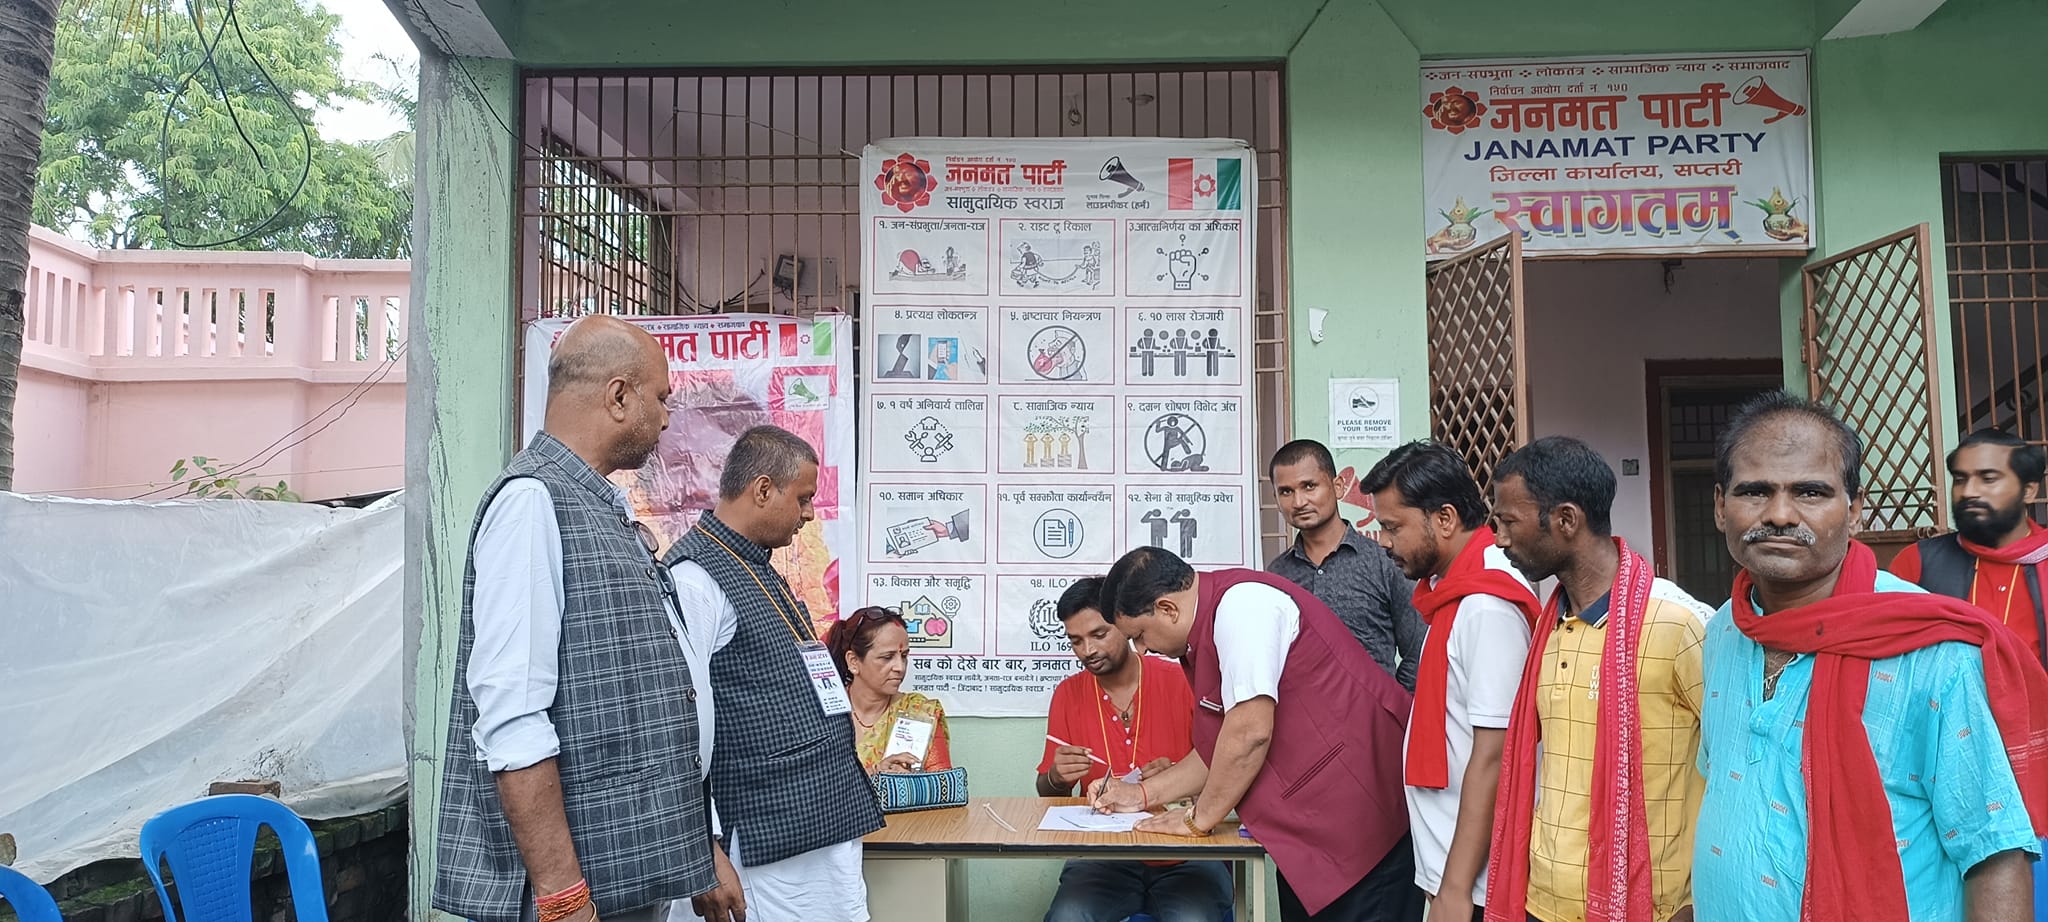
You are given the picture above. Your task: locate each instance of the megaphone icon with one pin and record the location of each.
(1113, 171)
(1758, 93)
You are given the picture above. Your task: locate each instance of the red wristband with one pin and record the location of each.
(557, 906)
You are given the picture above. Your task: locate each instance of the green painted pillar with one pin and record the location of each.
(458, 427)
(1355, 224)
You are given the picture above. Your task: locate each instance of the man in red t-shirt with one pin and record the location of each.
(1132, 715)
(1995, 558)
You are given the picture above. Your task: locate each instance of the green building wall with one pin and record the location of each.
(1886, 109)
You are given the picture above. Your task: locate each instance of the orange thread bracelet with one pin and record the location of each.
(1144, 799)
(558, 906)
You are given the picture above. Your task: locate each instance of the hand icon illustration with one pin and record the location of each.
(1180, 264)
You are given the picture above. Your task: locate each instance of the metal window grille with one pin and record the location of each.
(1869, 334)
(1699, 556)
(742, 185)
(1996, 231)
(603, 248)
(1478, 357)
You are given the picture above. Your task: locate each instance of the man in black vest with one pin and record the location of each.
(1994, 558)
(572, 785)
(789, 794)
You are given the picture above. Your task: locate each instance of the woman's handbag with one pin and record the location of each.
(910, 791)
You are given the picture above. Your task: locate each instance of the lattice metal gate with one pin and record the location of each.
(1478, 357)
(692, 191)
(1869, 352)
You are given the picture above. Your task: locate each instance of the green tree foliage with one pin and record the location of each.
(232, 152)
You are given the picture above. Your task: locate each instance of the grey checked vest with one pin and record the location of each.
(624, 710)
(784, 773)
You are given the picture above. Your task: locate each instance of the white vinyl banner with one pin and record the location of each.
(1642, 154)
(732, 372)
(1057, 340)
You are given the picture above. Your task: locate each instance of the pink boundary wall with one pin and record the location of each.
(133, 359)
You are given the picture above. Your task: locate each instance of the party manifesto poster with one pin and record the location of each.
(1650, 154)
(731, 372)
(1057, 353)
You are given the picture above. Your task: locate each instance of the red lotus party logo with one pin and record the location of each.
(906, 182)
(1454, 110)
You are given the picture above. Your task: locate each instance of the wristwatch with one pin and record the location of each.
(1189, 819)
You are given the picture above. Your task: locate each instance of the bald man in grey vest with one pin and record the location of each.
(573, 784)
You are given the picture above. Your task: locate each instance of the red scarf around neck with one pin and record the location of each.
(1429, 763)
(1848, 820)
(2026, 552)
(1618, 839)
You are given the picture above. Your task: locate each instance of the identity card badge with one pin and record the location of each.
(825, 678)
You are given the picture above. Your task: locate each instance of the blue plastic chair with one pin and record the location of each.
(28, 899)
(211, 843)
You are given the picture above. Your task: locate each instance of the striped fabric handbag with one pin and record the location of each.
(910, 791)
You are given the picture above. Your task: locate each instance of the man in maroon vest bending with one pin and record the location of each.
(1295, 727)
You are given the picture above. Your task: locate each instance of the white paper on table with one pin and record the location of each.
(1082, 818)
(909, 735)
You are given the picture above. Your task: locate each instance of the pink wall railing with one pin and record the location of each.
(273, 314)
(134, 358)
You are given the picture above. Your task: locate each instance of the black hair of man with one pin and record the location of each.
(2027, 461)
(1138, 580)
(1301, 450)
(1559, 469)
(770, 451)
(1767, 407)
(1085, 593)
(1429, 476)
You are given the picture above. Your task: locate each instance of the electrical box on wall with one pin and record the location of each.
(797, 277)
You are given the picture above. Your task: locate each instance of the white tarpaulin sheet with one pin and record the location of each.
(149, 649)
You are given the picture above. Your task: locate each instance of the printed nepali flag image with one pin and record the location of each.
(1206, 184)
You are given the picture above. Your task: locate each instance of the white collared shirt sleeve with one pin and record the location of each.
(517, 613)
(709, 621)
(1254, 627)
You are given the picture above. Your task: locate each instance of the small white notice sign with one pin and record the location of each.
(1365, 412)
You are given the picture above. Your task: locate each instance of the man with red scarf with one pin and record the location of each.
(1872, 751)
(1480, 613)
(1994, 558)
(1606, 722)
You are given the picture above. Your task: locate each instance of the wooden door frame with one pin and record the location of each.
(1656, 372)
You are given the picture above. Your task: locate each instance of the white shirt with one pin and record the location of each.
(1254, 626)
(517, 612)
(1488, 646)
(823, 884)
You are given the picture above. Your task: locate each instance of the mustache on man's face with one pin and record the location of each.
(1799, 533)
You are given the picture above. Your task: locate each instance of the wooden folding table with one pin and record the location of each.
(917, 857)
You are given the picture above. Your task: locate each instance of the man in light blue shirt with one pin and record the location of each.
(1788, 500)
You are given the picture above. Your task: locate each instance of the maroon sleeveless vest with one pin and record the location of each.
(1328, 805)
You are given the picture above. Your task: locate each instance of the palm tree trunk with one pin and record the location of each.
(28, 40)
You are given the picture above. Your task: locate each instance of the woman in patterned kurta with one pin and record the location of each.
(872, 649)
